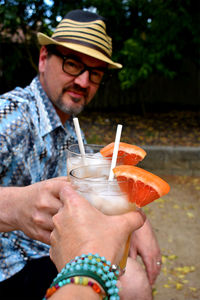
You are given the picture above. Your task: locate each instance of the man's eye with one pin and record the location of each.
(97, 73)
(72, 63)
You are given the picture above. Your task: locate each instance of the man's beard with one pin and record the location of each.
(70, 109)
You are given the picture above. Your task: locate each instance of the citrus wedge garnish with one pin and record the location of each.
(142, 186)
(130, 154)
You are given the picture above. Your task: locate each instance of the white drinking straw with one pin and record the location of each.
(115, 151)
(79, 137)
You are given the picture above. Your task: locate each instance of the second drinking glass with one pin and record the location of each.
(93, 184)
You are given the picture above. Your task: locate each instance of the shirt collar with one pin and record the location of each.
(48, 118)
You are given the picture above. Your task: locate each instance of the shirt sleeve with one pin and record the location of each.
(5, 154)
(11, 121)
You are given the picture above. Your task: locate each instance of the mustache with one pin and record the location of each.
(75, 88)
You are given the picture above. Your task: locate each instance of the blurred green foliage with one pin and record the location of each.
(149, 36)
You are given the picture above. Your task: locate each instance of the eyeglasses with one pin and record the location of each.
(73, 66)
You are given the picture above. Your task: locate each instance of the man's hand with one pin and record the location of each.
(144, 243)
(81, 228)
(134, 284)
(31, 208)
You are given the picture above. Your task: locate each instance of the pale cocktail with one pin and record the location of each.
(93, 184)
(92, 156)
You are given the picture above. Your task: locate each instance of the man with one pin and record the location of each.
(35, 130)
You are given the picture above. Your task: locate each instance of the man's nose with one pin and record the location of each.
(83, 79)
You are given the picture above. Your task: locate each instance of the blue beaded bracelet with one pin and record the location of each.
(94, 259)
(92, 266)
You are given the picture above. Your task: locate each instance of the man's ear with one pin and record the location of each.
(42, 58)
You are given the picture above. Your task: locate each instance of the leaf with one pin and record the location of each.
(190, 215)
(172, 257)
(179, 286)
(167, 286)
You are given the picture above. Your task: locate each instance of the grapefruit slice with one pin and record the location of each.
(130, 154)
(141, 186)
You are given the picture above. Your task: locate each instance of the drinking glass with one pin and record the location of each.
(92, 156)
(92, 183)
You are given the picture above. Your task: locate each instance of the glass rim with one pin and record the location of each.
(88, 180)
(85, 145)
(89, 155)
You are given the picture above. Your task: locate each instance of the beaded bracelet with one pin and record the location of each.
(94, 259)
(76, 280)
(92, 266)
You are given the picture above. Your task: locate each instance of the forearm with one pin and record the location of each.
(74, 292)
(9, 197)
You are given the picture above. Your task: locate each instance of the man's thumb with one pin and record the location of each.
(69, 195)
(135, 219)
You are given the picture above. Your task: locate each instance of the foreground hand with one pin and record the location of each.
(38, 203)
(144, 243)
(134, 284)
(80, 229)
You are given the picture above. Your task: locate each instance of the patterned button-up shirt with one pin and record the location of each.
(33, 145)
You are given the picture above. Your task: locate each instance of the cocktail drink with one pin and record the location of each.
(93, 184)
(92, 156)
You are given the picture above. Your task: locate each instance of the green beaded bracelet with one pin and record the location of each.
(92, 266)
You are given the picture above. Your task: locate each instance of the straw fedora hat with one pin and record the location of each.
(84, 32)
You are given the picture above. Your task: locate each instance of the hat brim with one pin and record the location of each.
(45, 40)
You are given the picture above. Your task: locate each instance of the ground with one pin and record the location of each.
(172, 128)
(175, 217)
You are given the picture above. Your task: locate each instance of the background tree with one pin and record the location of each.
(157, 42)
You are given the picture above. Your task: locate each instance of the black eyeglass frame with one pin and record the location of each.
(54, 50)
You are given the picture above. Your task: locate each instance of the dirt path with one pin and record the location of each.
(153, 129)
(175, 219)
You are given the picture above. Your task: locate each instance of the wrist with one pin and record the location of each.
(103, 251)
(8, 215)
(90, 266)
